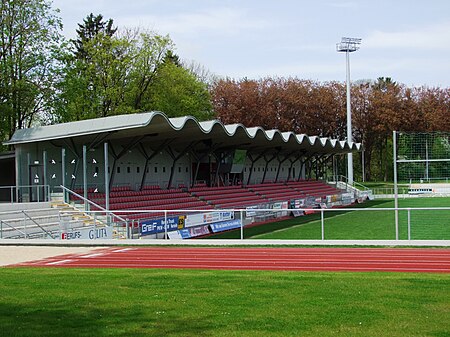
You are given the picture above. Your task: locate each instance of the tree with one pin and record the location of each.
(89, 29)
(96, 85)
(30, 35)
(286, 104)
(150, 50)
(177, 92)
(314, 108)
(127, 72)
(202, 74)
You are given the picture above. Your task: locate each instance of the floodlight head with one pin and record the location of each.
(348, 44)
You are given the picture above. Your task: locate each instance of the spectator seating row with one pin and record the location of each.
(202, 197)
(313, 188)
(228, 196)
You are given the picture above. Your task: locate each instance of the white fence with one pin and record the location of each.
(249, 223)
(317, 224)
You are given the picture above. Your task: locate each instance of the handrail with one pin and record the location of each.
(361, 185)
(92, 203)
(34, 221)
(15, 189)
(345, 179)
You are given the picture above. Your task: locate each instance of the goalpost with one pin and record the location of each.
(422, 160)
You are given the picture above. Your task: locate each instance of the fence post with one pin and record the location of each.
(25, 227)
(322, 224)
(165, 224)
(95, 227)
(409, 223)
(60, 226)
(394, 148)
(242, 224)
(1, 229)
(139, 229)
(127, 229)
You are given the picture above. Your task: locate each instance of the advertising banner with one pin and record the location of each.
(249, 211)
(297, 213)
(277, 205)
(149, 227)
(192, 232)
(207, 218)
(175, 235)
(297, 203)
(226, 225)
(89, 233)
(347, 198)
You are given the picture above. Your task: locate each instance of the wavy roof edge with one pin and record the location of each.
(139, 120)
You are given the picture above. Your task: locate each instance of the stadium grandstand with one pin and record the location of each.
(149, 163)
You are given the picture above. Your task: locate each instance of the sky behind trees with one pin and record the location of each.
(406, 40)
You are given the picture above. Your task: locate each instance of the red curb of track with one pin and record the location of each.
(286, 259)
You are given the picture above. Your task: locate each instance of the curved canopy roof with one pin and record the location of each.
(157, 128)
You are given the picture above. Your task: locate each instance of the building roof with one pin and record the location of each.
(157, 127)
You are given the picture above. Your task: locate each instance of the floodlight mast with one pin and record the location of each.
(348, 45)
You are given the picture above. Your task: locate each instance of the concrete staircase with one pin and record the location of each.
(41, 220)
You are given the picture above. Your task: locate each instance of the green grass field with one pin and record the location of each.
(150, 302)
(361, 225)
(67, 302)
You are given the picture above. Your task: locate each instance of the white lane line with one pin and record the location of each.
(91, 255)
(59, 262)
(123, 250)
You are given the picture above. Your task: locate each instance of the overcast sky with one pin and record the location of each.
(407, 40)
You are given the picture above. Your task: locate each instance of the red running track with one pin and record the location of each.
(291, 259)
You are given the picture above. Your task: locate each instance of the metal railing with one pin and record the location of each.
(109, 215)
(429, 223)
(38, 225)
(25, 193)
(421, 223)
(20, 224)
(361, 191)
(3, 223)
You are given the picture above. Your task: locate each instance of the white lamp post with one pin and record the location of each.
(349, 45)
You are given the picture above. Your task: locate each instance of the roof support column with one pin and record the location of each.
(303, 165)
(317, 162)
(126, 148)
(324, 159)
(218, 159)
(292, 165)
(148, 158)
(253, 164)
(309, 167)
(175, 159)
(85, 182)
(106, 155)
(267, 166)
(63, 172)
(281, 163)
(44, 178)
(198, 159)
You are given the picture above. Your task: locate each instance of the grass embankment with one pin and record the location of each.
(148, 302)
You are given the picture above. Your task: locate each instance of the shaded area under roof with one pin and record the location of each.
(158, 127)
